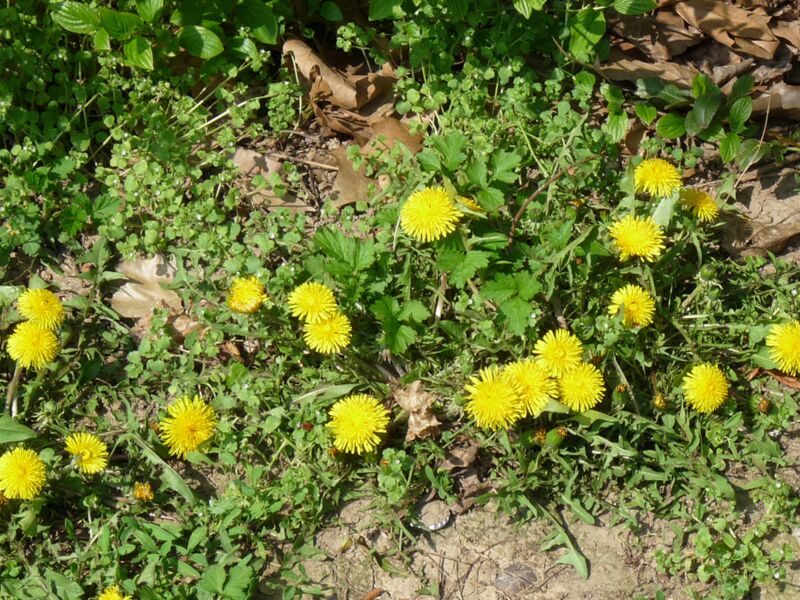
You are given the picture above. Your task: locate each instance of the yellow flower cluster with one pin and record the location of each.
(91, 454)
(326, 328)
(430, 214)
(34, 343)
(189, 423)
(113, 593)
(246, 295)
(499, 397)
(356, 423)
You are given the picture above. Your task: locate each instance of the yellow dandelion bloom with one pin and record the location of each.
(656, 177)
(559, 351)
(330, 335)
(429, 214)
(705, 388)
(41, 307)
(91, 454)
(142, 491)
(113, 593)
(246, 295)
(32, 345)
(702, 205)
(312, 302)
(470, 204)
(783, 342)
(190, 423)
(636, 303)
(536, 385)
(356, 423)
(637, 236)
(582, 387)
(494, 399)
(22, 474)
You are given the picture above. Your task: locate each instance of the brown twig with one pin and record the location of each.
(550, 180)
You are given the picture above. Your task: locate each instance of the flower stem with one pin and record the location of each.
(11, 394)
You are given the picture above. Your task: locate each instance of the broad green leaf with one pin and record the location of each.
(647, 113)
(200, 41)
(741, 88)
(504, 165)
(243, 46)
(663, 212)
(385, 9)
(330, 11)
(139, 53)
(729, 146)
(102, 41)
(414, 311)
(12, 430)
(120, 25)
(517, 313)
(616, 126)
(763, 359)
(750, 152)
(576, 559)
(526, 7)
(578, 510)
(703, 111)
(671, 126)
(491, 199)
(76, 17)
(613, 96)
(462, 267)
(9, 294)
(260, 18)
(739, 112)
(586, 30)
(149, 10)
(213, 580)
(634, 7)
(451, 147)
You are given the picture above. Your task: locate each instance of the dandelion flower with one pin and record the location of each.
(705, 388)
(536, 385)
(22, 474)
(656, 177)
(471, 204)
(582, 387)
(312, 302)
(32, 345)
(495, 399)
(783, 342)
(91, 454)
(246, 295)
(559, 351)
(356, 423)
(429, 214)
(637, 236)
(702, 205)
(636, 303)
(41, 307)
(328, 335)
(113, 593)
(143, 492)
(190, 423)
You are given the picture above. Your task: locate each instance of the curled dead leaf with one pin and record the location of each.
(419, 405)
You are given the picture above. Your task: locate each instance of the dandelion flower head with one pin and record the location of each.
(471, 204)
(429, 214)
(32, 345)
(494, 399)
(91, 454)
(637, 236)
(559, 351)
(312, 302)
(535, 384)
(357, 422)
(705, 388)
(783, 342)
(657, 178)
(636, 303)
(189, 423)
(41, 307)
(22, 474)
(142, 491)
(702, 205)
(246, 295)
(582, 387)
(113, 593)
(330, 335)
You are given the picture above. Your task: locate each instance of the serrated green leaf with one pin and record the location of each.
(750, 151)
(647, 113)
(139, 53)
(703, 111)
(414, 311)
(200, 41)
(462, 267)
(741, 87)
(578, 510)
(451, 147)
(120, 25)
(634, 7)
(671, 126)
(76, 17)
(12, 430)
(504, 165)
(586, 30)
(517, 313)
(729, 146)
(577, 560)
(616, 126)
(385, 9)
(739, 112)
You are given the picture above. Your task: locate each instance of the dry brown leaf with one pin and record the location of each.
(620, 67)
(251, 164)
(350, 186)
(789, 32)
(387, 131)
(419, 405)
(790, 382)
(782, 100)
(461, 457)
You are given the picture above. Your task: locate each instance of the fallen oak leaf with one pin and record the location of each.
(419, 405)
